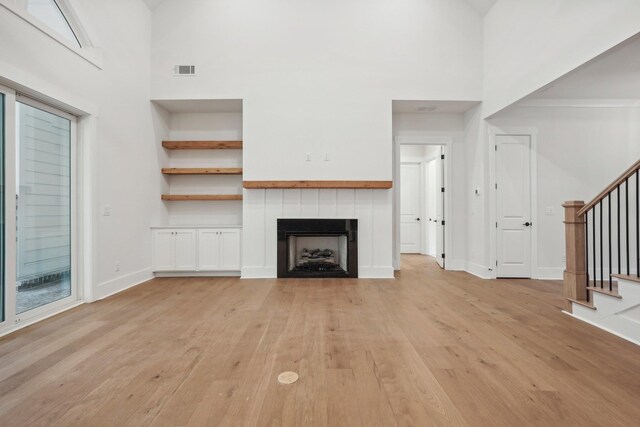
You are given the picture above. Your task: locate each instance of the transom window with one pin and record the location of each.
(51, 14)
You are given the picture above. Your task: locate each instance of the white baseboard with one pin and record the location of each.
(604, 328)
(197, 274)
(478, 270)
(259, 273)
(375, 273)
(550, 273)
(119, 284)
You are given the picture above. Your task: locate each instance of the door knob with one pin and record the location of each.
(527, 224)
(417, 219)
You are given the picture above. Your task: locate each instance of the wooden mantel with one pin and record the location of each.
(318, 184)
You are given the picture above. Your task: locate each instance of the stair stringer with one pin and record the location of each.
(619, 316)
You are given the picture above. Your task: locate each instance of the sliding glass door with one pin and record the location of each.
(44, 142)
(2, 226)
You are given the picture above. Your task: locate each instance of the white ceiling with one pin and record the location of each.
(432, 107)
(613, 75)
(482, 6)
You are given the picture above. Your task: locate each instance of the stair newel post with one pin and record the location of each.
(575, 274)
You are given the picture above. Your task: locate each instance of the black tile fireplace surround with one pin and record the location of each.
(317, 248)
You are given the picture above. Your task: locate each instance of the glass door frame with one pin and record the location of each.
(13, 321)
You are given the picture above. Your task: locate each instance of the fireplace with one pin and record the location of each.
(317, 247)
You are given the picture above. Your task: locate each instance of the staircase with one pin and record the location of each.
(602, 277)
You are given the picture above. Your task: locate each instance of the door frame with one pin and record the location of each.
(422, 212)
(38, 312)
(425, 205)
(447, 142)
(86, 200)
(532, 133)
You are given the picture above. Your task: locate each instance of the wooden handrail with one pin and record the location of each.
(621, 179)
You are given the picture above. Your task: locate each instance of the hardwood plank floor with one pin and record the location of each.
(429, 348)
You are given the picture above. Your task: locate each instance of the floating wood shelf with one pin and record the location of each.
(202, 145)
(200, 197)
(202, 171)
(319, 184)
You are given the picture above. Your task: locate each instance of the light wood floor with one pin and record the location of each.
(430, 348)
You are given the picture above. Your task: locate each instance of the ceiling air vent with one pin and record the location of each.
(184, 70)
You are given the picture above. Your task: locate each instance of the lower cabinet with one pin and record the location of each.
(219, 250)
(196, 250)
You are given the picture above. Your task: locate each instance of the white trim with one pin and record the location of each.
(87, 53)
(550, 273)
(197, 274)
(532, 133)
(578, 103)
(456, 265)
(12, 321)
(258, 273)
(10, 261)
(37, 312)
(376, 273)
(119, 284)
(426, 139)
(599, 326)
(479, 271)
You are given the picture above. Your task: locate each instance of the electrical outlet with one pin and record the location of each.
(326, 157)
(106, 210)
(548, 210)
(116, 267)
(308, 157)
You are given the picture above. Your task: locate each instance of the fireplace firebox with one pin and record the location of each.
(317, 247)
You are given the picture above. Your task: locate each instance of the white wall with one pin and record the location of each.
(127, 132)
(528, 44)
(317, 77)
(580, 152)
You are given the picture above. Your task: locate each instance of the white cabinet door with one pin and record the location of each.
(229, 250)
(163, 250)
(208, 250)
(185, 247)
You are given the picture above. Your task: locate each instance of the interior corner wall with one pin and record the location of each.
(128, 129)
(528, 44)
(580, 152)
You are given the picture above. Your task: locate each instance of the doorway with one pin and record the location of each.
(422, 200)
(513, 170)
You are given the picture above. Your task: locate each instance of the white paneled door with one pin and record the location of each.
(410, 212)
(432, 208)
(513, 191)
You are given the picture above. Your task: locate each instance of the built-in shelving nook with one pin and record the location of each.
(203, 169)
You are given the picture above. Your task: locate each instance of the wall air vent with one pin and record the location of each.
(184, 70)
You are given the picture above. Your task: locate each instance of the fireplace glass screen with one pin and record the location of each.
(317, 253)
